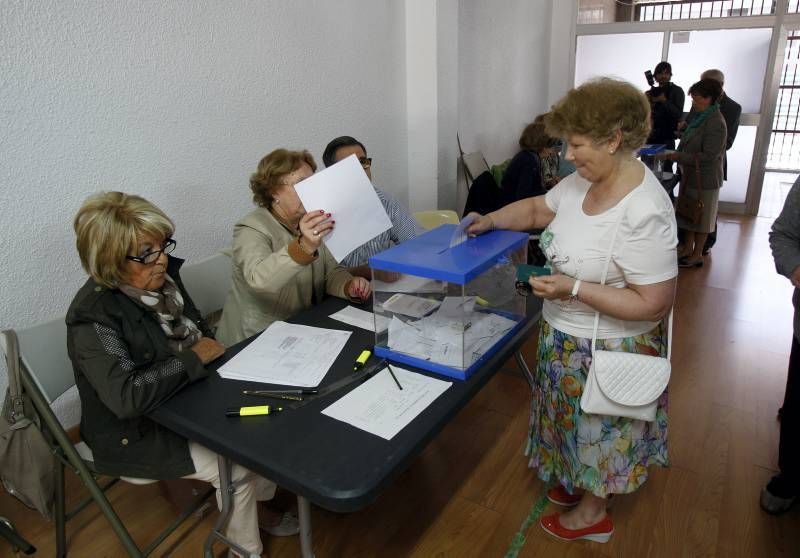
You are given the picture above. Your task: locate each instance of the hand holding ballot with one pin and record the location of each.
(314, 226)
(480, 224)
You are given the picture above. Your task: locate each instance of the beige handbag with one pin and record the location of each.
(624, 384)
(27, 464)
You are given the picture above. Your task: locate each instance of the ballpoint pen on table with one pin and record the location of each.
(389, 366)
(272, 395)
(298, 391)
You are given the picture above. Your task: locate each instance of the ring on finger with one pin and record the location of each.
(315, 232)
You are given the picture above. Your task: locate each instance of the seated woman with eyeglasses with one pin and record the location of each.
(135, 337)
(280, 264)
(530, 173)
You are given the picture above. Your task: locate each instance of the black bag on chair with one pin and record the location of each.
(27, 464)
(484, 195)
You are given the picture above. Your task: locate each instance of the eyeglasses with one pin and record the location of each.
(366, 162)
(150, 257)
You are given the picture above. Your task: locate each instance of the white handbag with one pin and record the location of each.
(621, 384)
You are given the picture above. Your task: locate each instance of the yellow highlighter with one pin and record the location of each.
(362, 359)
(251, 411)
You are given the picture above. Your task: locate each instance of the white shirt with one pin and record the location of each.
(644, 250)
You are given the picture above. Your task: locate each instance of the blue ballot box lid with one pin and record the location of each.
(429, 255)
(651, 148)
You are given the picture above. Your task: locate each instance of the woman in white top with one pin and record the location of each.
(593, 456)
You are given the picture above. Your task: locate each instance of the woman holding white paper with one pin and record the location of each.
(611, 209)
(280, 264)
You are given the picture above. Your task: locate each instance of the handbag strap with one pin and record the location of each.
(697, 175)
(603, 282)
(14, 385)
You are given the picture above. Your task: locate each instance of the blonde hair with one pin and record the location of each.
(598, 109)
(272, 168)
(108, 227)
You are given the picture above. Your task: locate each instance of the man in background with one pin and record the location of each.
(731, 111)
(404, 226)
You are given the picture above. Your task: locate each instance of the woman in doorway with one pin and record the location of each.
(700, 156)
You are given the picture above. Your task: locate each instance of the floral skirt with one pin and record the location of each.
(601, 454)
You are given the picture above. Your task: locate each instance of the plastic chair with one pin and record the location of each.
(474, 164)
(435, 217)
(208, 282)
(45, 374)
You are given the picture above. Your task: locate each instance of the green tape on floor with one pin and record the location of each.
(533, 515)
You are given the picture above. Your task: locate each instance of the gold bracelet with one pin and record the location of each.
(492, 221)
(302, 247)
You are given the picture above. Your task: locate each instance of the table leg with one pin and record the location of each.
(304, 515)
(524, 367)
(226, 489)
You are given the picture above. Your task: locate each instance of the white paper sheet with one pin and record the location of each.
(288, 354)
(344, 191)
(410, 305)
(380, 408)
(408, 284)
(360, 318)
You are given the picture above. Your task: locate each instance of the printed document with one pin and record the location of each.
(381, 408)
(360, 318)
(288, 354)
(344, 191)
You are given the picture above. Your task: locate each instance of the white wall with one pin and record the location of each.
(503, 72)
(177, 102)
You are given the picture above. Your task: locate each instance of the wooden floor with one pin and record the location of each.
(470, 490)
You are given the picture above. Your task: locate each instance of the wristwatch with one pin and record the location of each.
(574, 294)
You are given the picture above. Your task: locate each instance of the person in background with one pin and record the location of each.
(404, 226)
(280, 264)
(666, 108)
(731, 111)
(531, 172)
(700, 155)
(135, 338)
(784, 239)
(592, 457)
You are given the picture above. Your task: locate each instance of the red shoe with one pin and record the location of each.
(599, 532)
(559, 496)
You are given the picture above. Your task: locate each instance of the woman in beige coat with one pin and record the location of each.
(280, 264)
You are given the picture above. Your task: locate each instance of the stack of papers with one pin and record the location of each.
(381, 408)
(409, 284)
(288, 354)
(454, 336)
(410, 305)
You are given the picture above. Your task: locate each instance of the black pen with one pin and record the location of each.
(389, 366)
(270, 395)
(312, 391)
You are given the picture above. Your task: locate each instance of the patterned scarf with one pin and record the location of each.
(166, 306)
(699, 119)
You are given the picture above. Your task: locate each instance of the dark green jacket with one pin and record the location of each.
(124, 369)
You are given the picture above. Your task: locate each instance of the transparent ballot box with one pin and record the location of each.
(447, 309)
